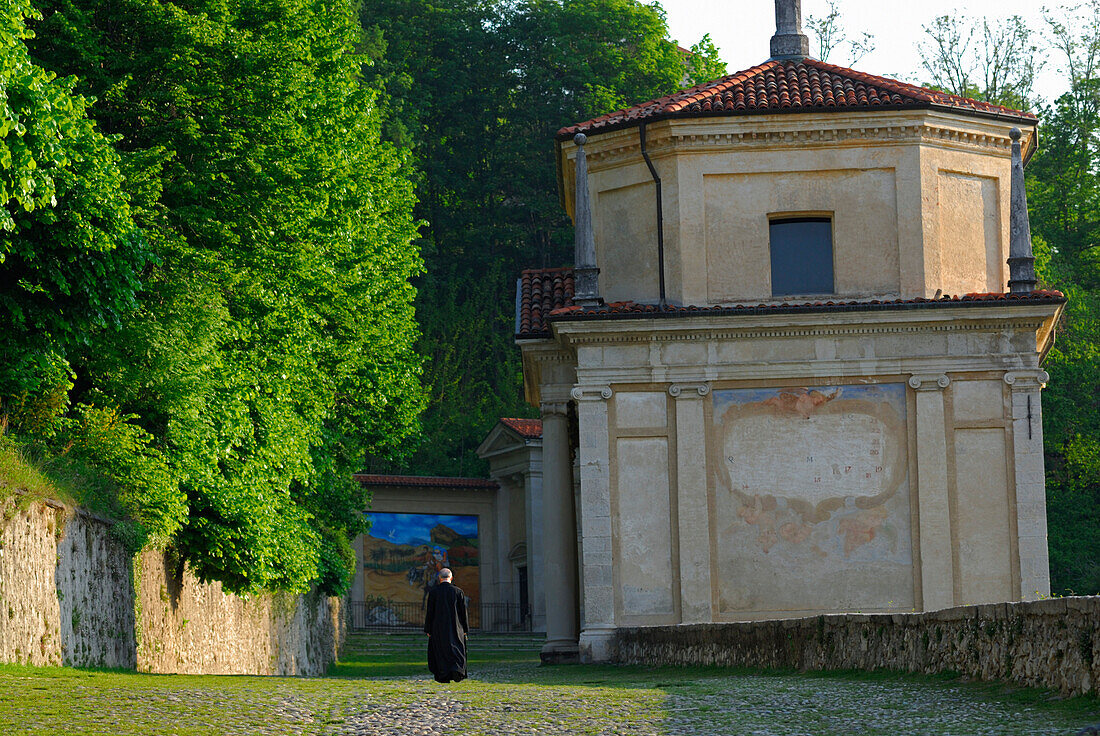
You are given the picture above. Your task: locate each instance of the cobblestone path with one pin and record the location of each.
(382, 690)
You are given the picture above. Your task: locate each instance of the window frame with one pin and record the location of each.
(803, 216)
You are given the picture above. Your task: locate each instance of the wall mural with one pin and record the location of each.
(813, 501)
(402, 556)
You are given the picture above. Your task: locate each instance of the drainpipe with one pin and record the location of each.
(660, 218)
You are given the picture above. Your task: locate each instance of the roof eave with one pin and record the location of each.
(1026, 120)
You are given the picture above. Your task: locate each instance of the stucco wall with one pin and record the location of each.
(918, 200)
(1051, 644)
(70, 594)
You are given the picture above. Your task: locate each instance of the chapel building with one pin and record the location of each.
(796, 366)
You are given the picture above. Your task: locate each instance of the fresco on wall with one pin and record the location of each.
(813, 508)
(403, 554)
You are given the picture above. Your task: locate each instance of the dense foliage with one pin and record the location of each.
(477, 91)
(272, 345)
(71, 261)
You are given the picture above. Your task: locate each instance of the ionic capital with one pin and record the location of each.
(689, 390)
(554, 409)
(591, 393)
(1023, 380)
(929, 381)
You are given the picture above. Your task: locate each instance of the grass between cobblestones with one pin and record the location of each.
(381, 687)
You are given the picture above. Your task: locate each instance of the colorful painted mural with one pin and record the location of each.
(403, 554)
(812, 487)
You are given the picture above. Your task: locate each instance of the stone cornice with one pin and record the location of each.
(736, 327)
(804, 130)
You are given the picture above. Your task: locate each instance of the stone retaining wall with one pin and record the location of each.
(70, 594)
(1049, 644)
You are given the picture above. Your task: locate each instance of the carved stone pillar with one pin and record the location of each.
(559, 535)
(1031, 502)
(595, 514)
(691, 502)
(937, 572)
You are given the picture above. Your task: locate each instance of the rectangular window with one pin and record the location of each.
(802, 256)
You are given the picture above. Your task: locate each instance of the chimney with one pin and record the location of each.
(789, 42)
(586, 282)
(1021, 261)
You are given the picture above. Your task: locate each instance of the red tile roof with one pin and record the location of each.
(536, 324)
(807, 85)
(541, 291)
(423, 481)
(527, 428)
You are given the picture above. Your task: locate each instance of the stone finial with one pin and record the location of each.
(789, 42)
(1021, 261)
(586, 283)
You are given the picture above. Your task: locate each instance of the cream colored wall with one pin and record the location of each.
(962, 522)
(919, 202)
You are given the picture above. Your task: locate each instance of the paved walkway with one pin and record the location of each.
(383, 690)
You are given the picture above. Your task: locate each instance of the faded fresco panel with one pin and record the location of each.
(813, 499)
(402, 556)
(645, 535)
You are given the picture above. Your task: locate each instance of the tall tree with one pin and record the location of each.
(832, 36)
(982, 59)
(478, 89)
(274, 345)
(71, 264)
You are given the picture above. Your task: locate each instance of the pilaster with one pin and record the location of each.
(691, 501)
(937, 567)
(595, 522)
(1031, 506)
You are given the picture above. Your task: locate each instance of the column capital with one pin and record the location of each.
(554, 408)
(929, 381)
(692, 390)
(591, 393)
(1023, 380)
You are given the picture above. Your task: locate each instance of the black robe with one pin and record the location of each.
(446, 626)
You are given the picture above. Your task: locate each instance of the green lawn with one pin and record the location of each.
(381, 687)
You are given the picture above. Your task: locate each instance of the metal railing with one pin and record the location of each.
(383, 615)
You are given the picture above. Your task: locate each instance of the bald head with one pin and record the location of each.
(445, 575)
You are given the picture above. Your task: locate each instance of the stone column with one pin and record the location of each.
(1031, 500)
(559, 535)
(535, 572)
(937, 572)
(595, 513)
(504, 589)
(691, 502)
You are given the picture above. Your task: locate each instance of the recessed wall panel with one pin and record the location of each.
(983, 525)
(645, 533)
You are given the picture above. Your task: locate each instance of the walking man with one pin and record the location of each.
(447, 627)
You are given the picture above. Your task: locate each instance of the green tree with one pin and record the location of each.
(274, 346)
(478, 90)
(831, 36)
(71, 263)
(982, 59)
(70, 255)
